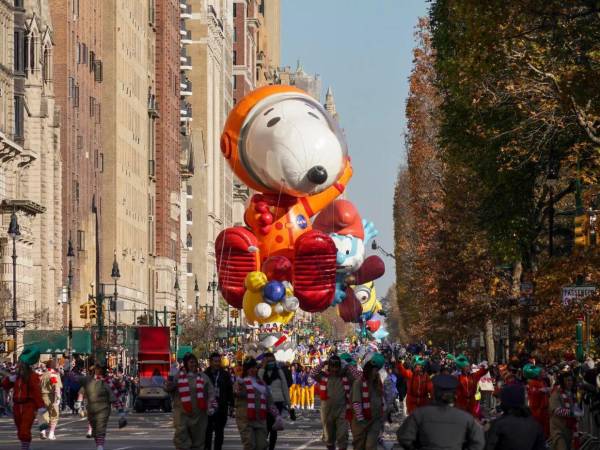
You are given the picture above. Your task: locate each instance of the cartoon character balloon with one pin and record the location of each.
(268, 301)
(283, 144)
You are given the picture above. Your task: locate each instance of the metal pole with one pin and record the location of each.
(70, 306)
(176, 321)
(116, 318)
(213, 287)
(14, 312)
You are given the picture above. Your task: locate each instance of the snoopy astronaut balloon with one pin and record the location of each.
(282, 143)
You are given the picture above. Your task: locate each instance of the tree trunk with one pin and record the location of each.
(514, 325)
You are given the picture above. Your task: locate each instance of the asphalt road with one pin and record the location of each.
(154, 431)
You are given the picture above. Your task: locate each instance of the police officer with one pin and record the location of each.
(440, 425)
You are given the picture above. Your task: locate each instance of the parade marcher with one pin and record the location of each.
(368, 405)
(334, 386)
(440, 425)
(101, 392)
(27, 396)
(193, 402)
(275, 379)
(538, 393)
(563, 413)
(253, 402)
(295, 389)
(515, 429)
(223, 386)
(51, 387)
(419, 387)
(467, 385)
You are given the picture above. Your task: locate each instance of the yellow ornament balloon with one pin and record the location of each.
(258, 310)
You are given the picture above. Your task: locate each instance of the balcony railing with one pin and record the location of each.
(186, 37)
(152, 106)
(185, 112)
(185, 87)
(185, 11)
(185, 63)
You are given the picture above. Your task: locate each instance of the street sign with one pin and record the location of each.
(14, 324)
(576, 293)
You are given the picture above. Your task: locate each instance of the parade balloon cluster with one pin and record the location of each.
(301, 246)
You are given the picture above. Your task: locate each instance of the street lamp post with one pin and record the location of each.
(212, 287)
(115, 274)
(14, 232)
(176, 287)
(70, 256)
(196, 295)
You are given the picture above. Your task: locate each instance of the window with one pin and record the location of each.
(47, 68)
(76, 96)
(92, 106)
(234, 34)
(188, 215)
(189, 241)
(19, 116)
(92, 60)
(19, 57)
(235, 82)
(190, 268)
(98, 71)
(188, 189)
(234, 57)
(84, 54)
(79, 142)
(80, 240)
(71, 87)
(235, 10)
(100, 162)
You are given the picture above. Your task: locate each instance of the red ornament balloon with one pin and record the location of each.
(373, 325)
(277, 268)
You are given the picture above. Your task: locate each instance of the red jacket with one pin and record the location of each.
(539, 398)
(467, 388)
(419, 388)
(29, 392)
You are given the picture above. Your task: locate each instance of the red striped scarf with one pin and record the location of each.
(251, 396)
(183, 387)
(323, 392)
(110, 382)
(366, 403)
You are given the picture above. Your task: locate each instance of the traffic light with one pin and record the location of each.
(84, 311)
(173, 322)
(202, 315)
(581, 237)
(235, 313)
(93, 311)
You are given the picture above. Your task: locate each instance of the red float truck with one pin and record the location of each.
(154, 352)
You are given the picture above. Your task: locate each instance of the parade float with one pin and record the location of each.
(292, 154)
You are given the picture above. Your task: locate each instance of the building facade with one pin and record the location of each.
(30, 169)
(78, 83)
(165, 170)
(208, 36)
(128, 41)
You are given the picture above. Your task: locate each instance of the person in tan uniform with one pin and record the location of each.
(367, 402)
(252, 402)
(334, 382)
(194, 400)
(51, 387)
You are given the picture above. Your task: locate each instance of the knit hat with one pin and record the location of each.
(530, 371)
(378, 360)
(30, 356)
(419, 361)
(512, 396)
(462, 361)
(348, 358)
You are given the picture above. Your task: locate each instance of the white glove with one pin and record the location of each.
(577, 412)
(12, 378)
(484, 364)
(41, 411)
(210, 411)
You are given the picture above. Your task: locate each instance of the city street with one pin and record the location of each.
(154, 431)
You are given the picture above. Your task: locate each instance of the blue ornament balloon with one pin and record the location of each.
(274, 292)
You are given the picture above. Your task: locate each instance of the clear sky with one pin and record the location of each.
(363, 50)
